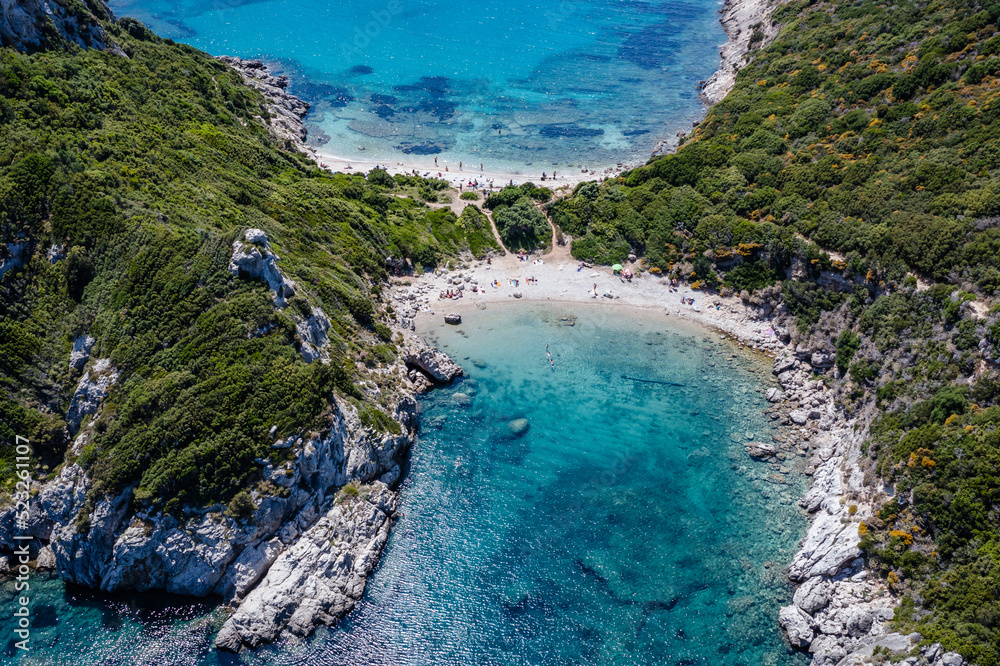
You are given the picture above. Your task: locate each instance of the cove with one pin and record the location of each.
(520, 86)
(625, 525)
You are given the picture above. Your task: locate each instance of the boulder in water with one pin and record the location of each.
(461, 399)
(518, 427)
(453, 318)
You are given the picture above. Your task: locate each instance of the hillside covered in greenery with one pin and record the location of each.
(124, 180)
(860, 152)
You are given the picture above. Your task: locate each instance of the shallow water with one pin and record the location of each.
(626, 526)
(518, 86)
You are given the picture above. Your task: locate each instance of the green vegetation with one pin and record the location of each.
(144, 170)
(522, 226)
(870, 131)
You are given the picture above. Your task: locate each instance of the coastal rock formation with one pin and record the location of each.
(33, 25)
(748, 26)
(436, 365)
(253, 258)
(839, 613)
(285, 110)
(90, 392)
(321, 577)
(299, 560)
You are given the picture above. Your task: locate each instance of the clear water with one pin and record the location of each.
(516, 85)
(626, 526)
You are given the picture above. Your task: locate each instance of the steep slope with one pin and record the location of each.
(194, 339)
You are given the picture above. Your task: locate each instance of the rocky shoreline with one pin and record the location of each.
(285, 110)
(317, 521)
(840, 613)
(749, 26)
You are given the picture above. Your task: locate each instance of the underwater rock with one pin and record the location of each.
(518, 427)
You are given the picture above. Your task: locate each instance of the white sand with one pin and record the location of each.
(559, 280)
(424, 165)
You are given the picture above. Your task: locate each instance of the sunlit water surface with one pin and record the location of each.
(515, 85)
(626, 525)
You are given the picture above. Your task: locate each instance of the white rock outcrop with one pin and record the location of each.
(252, 258)
(91, 390)
(81, 351)
(320, 578)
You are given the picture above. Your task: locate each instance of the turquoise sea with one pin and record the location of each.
(516, 85)
(626, 526)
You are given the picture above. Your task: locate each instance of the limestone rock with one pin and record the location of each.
(46, 558)
(797, 625)
(320, 578)
(432, 362)
(775, 394)
(518, 427)
(255, 260)
(812, 596)
(761, 450)
(799, 417)
(312, 332)
(453, 319)
(81, 351)
(783, 364)
(859, 623)
(285, 110)
(822, 360)
(91, 390)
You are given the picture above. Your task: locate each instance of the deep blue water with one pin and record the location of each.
(516, 85)
(626, 526)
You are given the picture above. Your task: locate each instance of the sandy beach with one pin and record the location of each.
(560, 279)
(454, 174)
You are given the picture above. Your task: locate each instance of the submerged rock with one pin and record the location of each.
(518, 427)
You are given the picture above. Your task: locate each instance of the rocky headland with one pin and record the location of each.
(285, 111)
(299, 553)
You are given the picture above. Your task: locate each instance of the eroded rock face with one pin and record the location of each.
(797, 624)
(285, 110)
(90, 392)
(27, 25)
(432, 362)
(81, 351)
(320, 578)
(313, 332)
(253, 259)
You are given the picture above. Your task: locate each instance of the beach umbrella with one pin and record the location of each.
(616, 267)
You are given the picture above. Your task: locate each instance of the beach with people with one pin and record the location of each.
(556, 276)
(460, 172)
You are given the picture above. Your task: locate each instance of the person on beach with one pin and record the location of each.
(435, 161)
(459, 166)
(594, 295)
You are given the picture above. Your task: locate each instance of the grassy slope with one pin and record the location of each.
(146, 169)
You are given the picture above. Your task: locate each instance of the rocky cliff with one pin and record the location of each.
(33, 25)
(299, 554)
